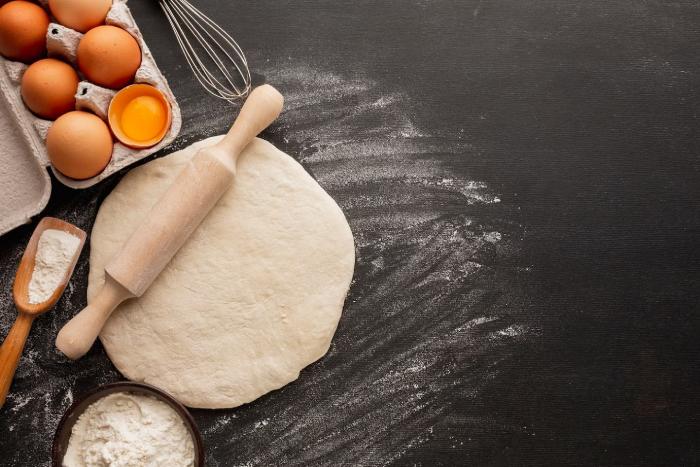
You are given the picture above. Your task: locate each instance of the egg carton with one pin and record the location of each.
(25, 186)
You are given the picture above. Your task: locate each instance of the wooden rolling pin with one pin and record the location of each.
(171, 221)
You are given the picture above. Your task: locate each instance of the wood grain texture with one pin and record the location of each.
(522, 181)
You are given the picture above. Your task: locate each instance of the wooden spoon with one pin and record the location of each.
(13, 344)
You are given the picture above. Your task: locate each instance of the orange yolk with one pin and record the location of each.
(143, 118)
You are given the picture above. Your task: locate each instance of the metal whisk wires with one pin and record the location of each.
(215, 58)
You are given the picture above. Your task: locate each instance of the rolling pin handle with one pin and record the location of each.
(77, 336)
(261, 108)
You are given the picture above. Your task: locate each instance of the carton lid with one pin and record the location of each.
(25, 185)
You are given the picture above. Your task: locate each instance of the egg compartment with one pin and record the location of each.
(62, 42)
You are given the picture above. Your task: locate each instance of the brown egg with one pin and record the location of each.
(48, 88)
(79, 145)
(23, 28)
(81, 15)
(109, 56)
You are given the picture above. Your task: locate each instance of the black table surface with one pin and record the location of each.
(522, 180)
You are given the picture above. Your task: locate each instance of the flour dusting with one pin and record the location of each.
(436, 311)
(433, 285)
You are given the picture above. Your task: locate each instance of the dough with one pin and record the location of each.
(252, 297)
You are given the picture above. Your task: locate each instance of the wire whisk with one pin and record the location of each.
(215, 58)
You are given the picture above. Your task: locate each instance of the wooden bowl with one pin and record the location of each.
(65, 426)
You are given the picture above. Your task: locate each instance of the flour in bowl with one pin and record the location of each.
(127, 429)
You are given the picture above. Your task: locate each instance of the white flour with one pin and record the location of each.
(53, 258)
(125, 429)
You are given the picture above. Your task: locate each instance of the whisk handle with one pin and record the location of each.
(263, 106)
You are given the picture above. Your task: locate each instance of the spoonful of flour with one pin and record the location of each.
(54, 255)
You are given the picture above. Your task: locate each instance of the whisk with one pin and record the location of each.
(215, 58)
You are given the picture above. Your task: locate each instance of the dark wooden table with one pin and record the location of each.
(522, 179)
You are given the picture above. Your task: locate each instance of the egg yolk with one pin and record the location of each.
(143, 118)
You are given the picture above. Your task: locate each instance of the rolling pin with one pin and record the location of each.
(170, 222)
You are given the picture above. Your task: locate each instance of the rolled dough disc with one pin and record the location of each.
(253, 296)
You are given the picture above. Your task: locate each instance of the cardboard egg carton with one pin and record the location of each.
(25, 186)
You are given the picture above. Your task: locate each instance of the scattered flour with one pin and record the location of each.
(423, 316)
(511, 331)
(53, 258)
(262, 423)
(125, 429)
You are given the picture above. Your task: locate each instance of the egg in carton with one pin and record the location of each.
(62, 42)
